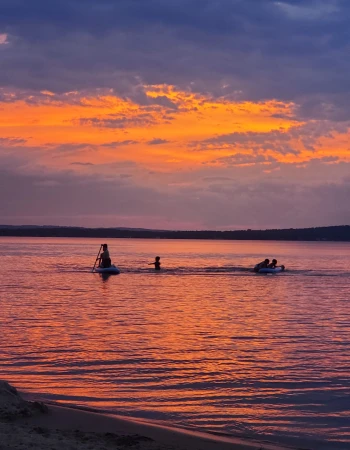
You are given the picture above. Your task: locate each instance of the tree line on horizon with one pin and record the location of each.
(332, 233)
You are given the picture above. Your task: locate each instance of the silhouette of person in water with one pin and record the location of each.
(105, 260)
(262, 265)
(156, 263)
(273, 264)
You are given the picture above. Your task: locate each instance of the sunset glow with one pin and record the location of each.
(91, 112)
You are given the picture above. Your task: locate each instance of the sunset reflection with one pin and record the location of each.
(204, 343)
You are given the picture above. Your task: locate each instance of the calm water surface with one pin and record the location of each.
(204, 344)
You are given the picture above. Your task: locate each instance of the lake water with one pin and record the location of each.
(204, 344)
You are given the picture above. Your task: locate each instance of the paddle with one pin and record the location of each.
(98, 254)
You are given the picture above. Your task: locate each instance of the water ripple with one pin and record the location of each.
(205, 344)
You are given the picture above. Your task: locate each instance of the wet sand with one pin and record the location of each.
(25, 425)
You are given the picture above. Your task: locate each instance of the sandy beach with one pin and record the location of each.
(25, 425)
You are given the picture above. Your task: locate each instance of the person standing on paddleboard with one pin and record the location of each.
(105, 260)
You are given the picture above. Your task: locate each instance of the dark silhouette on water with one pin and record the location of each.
(336, 233)
(105, 276)
(104, 259)
(262, 265)
(156, 263)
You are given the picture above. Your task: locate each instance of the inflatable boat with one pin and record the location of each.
(110, 270)
(270, 270)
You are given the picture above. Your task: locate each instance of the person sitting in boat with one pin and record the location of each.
(156, 263)
(262, 265)
(273, 264)
(105, 260)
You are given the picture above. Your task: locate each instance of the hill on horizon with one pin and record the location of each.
(331, 233)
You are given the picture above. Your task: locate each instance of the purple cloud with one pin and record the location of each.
(293, 51)
(115, 144)
(157, 141)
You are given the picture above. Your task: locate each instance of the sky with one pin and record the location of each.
(175, 114)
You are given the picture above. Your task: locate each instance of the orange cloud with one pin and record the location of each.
(159, 132)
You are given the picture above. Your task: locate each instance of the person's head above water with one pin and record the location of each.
(104, 246)
(267, 260)
(274, 261)
(157, 258)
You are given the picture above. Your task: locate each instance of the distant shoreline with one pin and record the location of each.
(330, 234)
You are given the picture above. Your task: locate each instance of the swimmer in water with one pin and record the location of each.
(156, 263)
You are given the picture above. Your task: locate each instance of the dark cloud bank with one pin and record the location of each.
(212, 203)
(253, 49)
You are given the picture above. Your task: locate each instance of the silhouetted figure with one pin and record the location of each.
(262, 265)
(156, 263)
(105, 260)
(273, 264)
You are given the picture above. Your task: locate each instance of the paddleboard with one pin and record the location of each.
(111, 270)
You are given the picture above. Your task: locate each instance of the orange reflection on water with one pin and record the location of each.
(203, 343)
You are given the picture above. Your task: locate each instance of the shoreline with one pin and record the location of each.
(32, 424)
(75, 418)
